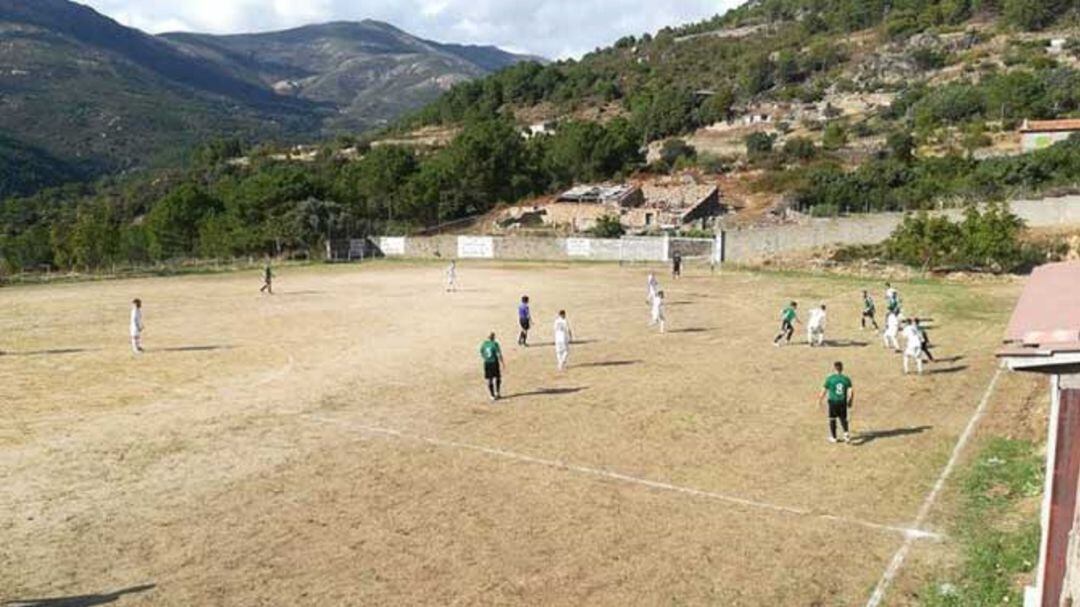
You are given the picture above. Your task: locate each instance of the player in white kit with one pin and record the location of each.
(658, 312)
(563, 337)
(815, 327)
(913, 346)
(451, 277)
(653, 287)
(136, 326)
(892, 330)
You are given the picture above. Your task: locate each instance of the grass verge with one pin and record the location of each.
(998, 534)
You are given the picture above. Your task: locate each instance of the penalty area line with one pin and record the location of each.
(920, 518)
(910, 534)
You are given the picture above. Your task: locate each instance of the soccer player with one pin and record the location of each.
(676, 265)
(925, 340)
(451, 277)
(892, 299)
(788, 318)
(868, 311)
(268, 280)
(525, 321)
(892, 330)
(815, 326)
(653, 286)
(912, 347)
(563, 337)
(136, 326)
(841, 396)
(658, 311)
(491, 353)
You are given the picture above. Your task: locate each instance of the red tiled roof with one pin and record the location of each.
(1047, 317)
(1050, 126)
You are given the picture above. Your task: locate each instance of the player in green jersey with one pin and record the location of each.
(868, 311)
(840, 394)
(491, 353)
(788, 318)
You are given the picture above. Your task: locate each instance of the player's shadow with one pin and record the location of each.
(54, 352)
(951, 359)
(546, 392)
(679, 303)
(576, 342)
(691, 330)
(86, 600)
(287, 293)
(194, 349)
(846, 343)
(862, 438)
(611, 363)
(947, 370)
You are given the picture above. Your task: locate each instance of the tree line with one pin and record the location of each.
(223, 207)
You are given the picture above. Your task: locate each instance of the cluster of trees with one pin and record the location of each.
(897, 181)
(669, 85)
(987, 240)
(666, 87)
(220, 208)
(901, 17)
(1008, 97)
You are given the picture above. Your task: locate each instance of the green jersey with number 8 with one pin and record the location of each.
(837, 387)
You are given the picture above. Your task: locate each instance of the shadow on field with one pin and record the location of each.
(576, 342)
(956, 369)
(546, 392)
(846, 343)
(862, 438)
(86, 600)
(193, 349)
(301, 293)
(691, 330)
(679, 303)
(951, 359)
(56, 352)
(611, 363)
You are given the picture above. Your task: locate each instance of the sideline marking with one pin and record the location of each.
(920, 518)
(910, 534)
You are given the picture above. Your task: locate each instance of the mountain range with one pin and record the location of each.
(82, 95)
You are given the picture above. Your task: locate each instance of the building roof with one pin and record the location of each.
(598, 193)
(1050, 126)
(1046, 320)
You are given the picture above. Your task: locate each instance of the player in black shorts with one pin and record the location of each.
(525, 321)
(491, 353)
(841, 396)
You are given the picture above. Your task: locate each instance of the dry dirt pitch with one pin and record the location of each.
(334, 445)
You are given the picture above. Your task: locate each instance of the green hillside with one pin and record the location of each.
(92, 93)
(784, 50)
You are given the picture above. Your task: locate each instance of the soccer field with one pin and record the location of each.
(334, 443)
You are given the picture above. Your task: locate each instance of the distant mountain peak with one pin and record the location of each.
(91, 88)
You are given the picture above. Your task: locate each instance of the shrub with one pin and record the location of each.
(759, 145)
(800, 148)
(608, 226)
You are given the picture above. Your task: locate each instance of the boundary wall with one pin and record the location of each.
(733, 245)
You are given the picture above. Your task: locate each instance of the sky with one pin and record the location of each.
(556, 29)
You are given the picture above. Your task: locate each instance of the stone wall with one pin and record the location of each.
(740, 245)
(752, 244)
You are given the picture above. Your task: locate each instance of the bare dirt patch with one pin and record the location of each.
(236, 462)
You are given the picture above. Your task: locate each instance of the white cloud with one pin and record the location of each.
(552, 28)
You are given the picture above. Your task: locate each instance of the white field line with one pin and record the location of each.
(910, 534)
(920, 519)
